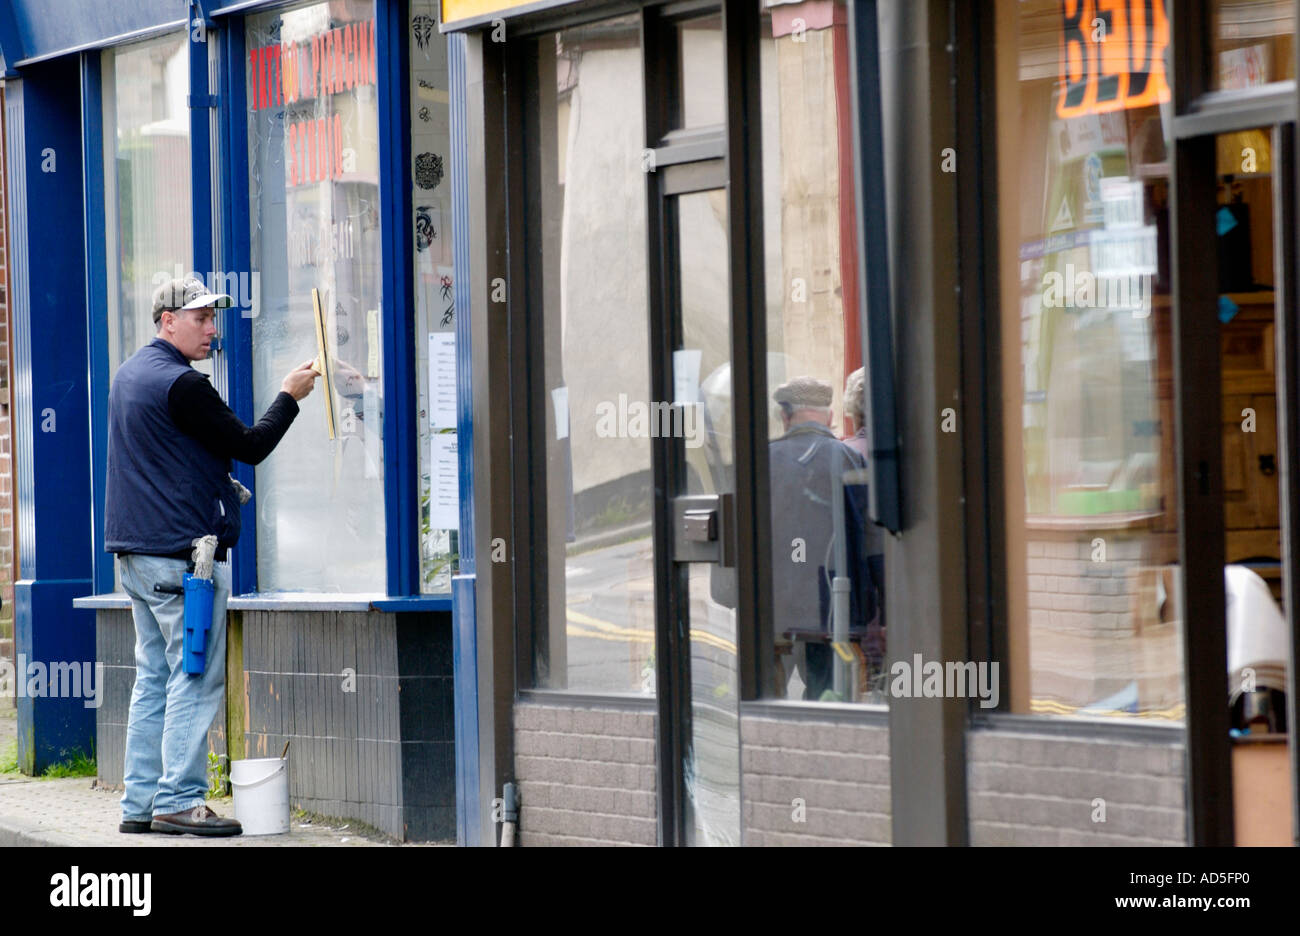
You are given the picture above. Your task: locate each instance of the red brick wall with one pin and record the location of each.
(8, 561)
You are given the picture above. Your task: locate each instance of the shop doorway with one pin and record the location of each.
(700, 505)
(675, 282)
(697, 460)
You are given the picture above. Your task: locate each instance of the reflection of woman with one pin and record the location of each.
(855, 408)
(872, 546)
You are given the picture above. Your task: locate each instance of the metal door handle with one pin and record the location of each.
(700, 526)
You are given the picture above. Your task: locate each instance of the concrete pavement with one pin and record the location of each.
(78, 812)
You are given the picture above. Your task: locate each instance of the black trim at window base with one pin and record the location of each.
(561, 698)
(1080, 729)
(865, 716)
(673, 10)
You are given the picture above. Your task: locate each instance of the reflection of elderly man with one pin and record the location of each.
(802, 464)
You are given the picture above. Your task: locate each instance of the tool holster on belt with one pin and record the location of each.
(198, 590)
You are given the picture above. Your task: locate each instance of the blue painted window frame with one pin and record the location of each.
(236, 240)
(397, 299)
(92, 155)
(401, 481)
(396, 296)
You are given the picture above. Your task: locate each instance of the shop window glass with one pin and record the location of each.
(314, 205)
(1256, 625)
(587, 215)
(1252, 43)
(701, 81)
(146, 184)
(823, 542)
(147, 212)
(1087, 396)
(435, 286)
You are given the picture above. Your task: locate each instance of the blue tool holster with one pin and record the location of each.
(198, 621)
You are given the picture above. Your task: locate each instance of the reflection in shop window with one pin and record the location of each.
(587, 192)
(146, 184)
(1252, 42)
(1087, 386)
(701, 91)
(314, 192)
(824, 546)
(147, 224)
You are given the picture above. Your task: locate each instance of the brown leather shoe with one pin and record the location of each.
(197, 821)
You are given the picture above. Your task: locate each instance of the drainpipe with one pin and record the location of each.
(510, 816)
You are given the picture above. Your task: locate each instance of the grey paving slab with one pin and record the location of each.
(78, 811)
(71, 812)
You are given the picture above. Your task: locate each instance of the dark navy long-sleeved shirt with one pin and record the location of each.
(198, 411)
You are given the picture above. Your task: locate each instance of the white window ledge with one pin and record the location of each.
(293, 601)
(303, 601)
(118, 601)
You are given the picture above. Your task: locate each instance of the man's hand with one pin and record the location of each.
(300, 381)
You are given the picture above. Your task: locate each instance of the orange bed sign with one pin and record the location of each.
(1112, 55)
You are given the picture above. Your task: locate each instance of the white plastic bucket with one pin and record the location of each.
(261, 788)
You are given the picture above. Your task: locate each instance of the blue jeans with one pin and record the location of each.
(167, 732)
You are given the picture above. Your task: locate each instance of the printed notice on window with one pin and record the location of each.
(444, 496)
(442, 380)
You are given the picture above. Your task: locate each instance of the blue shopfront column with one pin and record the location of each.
(55, 644)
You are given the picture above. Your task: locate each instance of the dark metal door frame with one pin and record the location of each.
(1198, 440)
(722, 157)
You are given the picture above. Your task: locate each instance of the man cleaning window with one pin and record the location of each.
(170, 500)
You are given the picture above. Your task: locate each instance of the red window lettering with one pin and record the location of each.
(252, 74)
(273, 72)
(349, 54)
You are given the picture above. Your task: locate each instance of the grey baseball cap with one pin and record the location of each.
(184, 294)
